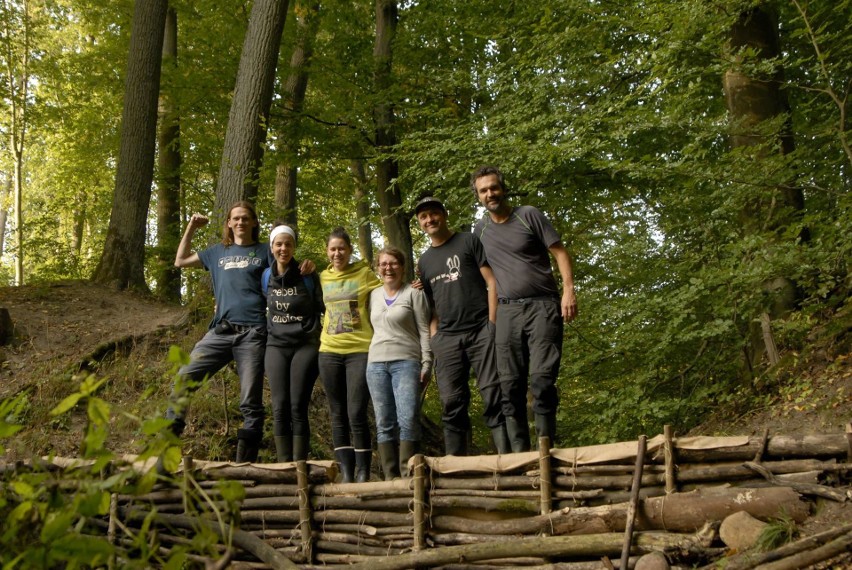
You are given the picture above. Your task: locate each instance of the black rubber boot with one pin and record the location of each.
(363, 460)
(301, 446)
(389, 457)
(248, 445)
(519, 434)
(545, 426)
(501, 439)
(346, 459)
(455, 442)
(284, 448)
(407, 450)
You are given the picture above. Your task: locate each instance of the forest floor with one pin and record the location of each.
(67, 328)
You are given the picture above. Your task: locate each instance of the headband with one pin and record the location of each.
(278, 230)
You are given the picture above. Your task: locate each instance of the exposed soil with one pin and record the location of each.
(60, 328)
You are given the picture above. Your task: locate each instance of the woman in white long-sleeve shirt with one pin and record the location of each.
(399, 362)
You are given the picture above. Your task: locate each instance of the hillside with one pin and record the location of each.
(65, 330)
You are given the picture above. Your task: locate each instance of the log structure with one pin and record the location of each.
(556, 508)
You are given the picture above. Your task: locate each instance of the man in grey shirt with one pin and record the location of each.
(530, 310)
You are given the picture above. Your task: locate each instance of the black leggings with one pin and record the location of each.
(344, 378)
(292, 372)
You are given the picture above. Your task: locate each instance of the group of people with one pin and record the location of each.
(486, 300)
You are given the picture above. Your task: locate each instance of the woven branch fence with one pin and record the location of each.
(555, 508)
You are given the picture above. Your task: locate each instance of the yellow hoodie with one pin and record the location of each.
(346, 328)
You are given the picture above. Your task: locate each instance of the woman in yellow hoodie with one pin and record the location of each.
(344, 344)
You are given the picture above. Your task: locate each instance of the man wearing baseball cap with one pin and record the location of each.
(462, 291)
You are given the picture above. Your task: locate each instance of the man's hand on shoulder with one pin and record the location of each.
(307, 267)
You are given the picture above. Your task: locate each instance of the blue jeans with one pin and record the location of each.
(395, 390)
(210, 355)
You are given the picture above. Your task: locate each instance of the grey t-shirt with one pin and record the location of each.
(453, 283)
(517, 251)
(236, 271)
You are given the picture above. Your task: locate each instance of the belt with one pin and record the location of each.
(504, 301)
(241, 328)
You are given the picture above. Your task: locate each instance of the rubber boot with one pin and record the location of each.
(455, 442)
(363, 459)
(248, 444)
(284, 448)
(346, 459)
(545, 426)
(389, 457)
(407, 450)
(519, 434)
(301, 446)
(501, 439)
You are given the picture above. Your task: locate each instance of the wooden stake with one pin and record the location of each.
(668, 450)
(634, 502)
(544, 467)
(419, 503)
(305, 510)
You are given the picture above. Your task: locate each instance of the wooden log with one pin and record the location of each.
(245, 540)
(383, 542)
(316, 474)
(747, 560)
(395, 488)
(778, 447)
(485, 504)
(588, 545)
(808, 558)
(608, 482)
(678, 512)
(362, 549)
(456, 538)
(739, 470)
(375, 518)
(496, 482)
(326, 560)
(583, 470)
(803, 488)
(389, 504)
(591, 565)
(633, 505)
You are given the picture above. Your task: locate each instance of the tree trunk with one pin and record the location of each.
(751, 103)
(5, 191)
(168, 189)
(362, 210)
(286, 188)
(247, 120)
(123, 260)
(388, 195)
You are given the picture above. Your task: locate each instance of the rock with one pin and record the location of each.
(740, 530)
(652, 561)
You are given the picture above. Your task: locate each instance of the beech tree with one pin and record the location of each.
(247, 122)
(295, 86)
(122, 261)
(394, 219)
(168, 187)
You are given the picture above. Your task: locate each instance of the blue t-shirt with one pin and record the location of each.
(236, 272)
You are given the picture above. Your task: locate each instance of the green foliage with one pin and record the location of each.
(611, 119)
(777, 532)
(55, 518)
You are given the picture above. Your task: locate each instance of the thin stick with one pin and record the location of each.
(634, 502)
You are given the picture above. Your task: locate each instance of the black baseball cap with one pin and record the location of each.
(429, 202)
